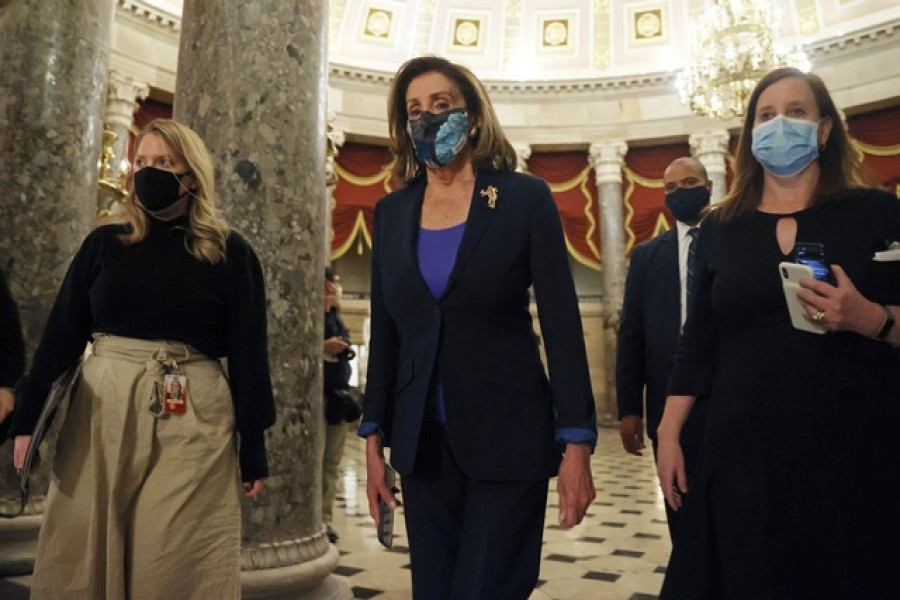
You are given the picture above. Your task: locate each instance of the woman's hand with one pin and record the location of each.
(669, 457)
(670, 469)
(252, 488)
(7, 403)
(20, 448)
(575, 485)
(375, 485)
(839, 307)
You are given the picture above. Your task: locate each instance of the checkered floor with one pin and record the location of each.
(618, 553)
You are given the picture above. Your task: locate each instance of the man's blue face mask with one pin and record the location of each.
(784, 146)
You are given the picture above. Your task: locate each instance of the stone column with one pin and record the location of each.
(523, 153)
(710, 148)
(607, 159)
(122, 94)
(259, 102)
(54, 56)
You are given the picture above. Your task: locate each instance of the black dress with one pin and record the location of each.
(793, 499)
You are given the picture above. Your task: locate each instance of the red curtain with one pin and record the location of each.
(573, 186)
(877, 136)
(646, 214)
(147, 111)
(363, 177)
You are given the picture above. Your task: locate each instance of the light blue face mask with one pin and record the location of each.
(784, 147)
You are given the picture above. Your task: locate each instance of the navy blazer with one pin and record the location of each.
(649, 328)
(502, 411)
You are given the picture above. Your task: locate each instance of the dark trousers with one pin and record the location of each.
(468, 539)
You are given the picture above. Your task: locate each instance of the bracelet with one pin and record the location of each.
(888, 324)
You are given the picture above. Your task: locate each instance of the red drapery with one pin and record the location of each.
(646, 214)
(147, 111)
(363, 177)
(572, 183)
(877, 136)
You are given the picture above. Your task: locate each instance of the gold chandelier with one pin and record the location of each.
(732, 47)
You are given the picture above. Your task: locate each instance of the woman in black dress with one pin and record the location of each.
(790, 500)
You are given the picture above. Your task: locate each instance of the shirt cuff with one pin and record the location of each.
(575, 435)
(368, 428)
(252, 456)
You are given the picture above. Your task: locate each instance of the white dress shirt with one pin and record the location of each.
(684, 242)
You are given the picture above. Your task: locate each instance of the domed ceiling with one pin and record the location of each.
(548, 40)
(561, 73)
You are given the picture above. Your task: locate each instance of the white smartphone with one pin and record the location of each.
(791, 274)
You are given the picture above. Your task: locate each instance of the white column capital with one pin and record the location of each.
(523, 153)
(710, 148)
(336, 139)
(122, 94)
(607, 159)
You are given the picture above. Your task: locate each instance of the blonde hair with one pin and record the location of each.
(207, 230)
(489, 146)
(839, 166)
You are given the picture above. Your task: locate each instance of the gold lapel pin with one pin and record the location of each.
(490, 192)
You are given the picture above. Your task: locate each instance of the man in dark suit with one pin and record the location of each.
(653, 313)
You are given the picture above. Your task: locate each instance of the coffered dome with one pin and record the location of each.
(562, 73)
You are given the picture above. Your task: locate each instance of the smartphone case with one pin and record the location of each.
(791, 274)
(386, 515)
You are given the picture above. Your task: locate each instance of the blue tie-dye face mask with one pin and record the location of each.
(439, 138)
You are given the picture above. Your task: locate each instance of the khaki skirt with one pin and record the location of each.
(141, 505)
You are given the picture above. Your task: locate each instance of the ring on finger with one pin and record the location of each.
(819, 316)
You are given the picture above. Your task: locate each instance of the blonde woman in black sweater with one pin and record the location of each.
(145, 502)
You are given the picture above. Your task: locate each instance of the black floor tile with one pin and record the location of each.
(601, 576)
(361, 593)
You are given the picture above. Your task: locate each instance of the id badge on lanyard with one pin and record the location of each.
(175, 391)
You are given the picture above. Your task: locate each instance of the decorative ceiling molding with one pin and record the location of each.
(351, 74)
(167, 23)
(151, 13)
(867, 39)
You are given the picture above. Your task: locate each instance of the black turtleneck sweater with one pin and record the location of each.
(12, 347)
(156, 290)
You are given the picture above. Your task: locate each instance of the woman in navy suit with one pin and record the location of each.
(456, 387)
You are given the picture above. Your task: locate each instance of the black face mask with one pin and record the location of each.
(686, 204)
(157, 189)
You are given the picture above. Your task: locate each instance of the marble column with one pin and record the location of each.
(607, 159)
(122, 95)
(259, 102)
(523, 153)
(54, 57)
(710, 148)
